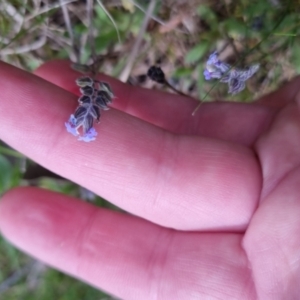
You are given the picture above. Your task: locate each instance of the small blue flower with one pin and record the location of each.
(207, 75)
(236, 78)
(214, 67)
(235, 86)
(89, 136)
(71, 126)
(212, 74)
(223, 67)
(247, 73)
(213, 59)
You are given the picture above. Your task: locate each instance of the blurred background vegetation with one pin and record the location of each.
(124, 38)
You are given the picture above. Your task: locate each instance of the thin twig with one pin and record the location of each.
(26, 48)
(48, 8)
(131, 59)
(231, 42)
(168, 84)
(111, 18)
(91, 40)
(58, 38)
(155, 18)
(11, 11)
(4, 40)
(67, 20)
(15, 15)
(73, 55)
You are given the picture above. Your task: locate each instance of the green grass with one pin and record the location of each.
(244, 32)
(24, 278)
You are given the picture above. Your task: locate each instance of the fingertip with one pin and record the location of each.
(11, 209)
(10, 201)
(7, 203)
(41, 223)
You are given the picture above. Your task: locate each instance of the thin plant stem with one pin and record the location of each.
(134, 52)
(111, 18)
(10, 152)
(175, 90)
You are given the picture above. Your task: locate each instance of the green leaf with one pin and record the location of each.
(235, 28)
(104, 40)
(182, 72)
(6, 174)
(58, 185)
(197, 52)
(201, 82)
(208, 15)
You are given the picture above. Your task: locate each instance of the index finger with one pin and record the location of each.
(228, 121)
(182, 182)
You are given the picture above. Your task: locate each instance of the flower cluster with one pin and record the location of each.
(95, 95)
(236, 78)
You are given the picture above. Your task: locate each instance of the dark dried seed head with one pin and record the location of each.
(156, 74)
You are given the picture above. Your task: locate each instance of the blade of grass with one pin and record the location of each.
(10, 152)
(132, 57)
(111, 18)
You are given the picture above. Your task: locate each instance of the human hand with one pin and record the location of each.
(216, 196)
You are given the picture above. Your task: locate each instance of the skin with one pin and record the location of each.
(213, 199)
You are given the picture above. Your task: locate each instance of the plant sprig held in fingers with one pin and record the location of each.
(95, 96)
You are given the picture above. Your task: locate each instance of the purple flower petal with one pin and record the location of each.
(225, 78)
(213, 58)
(216, 74)
(72, 120)
(206, 74)
(89, 136)
(223, 67)
(71, 127)
(235, 86)
(246, 74)
(213, 74)
(234, 73)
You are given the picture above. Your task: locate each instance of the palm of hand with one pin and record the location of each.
(226, 180)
